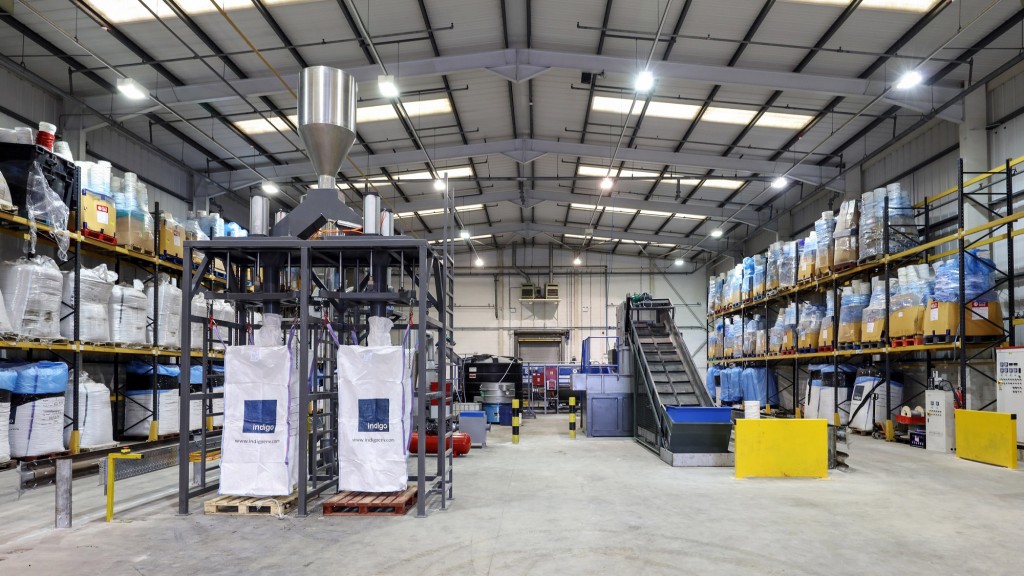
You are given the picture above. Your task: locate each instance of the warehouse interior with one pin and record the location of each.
(510, 286)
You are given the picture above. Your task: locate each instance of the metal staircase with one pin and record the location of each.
(666, 377)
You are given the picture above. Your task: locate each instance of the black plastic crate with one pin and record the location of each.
(16, 162)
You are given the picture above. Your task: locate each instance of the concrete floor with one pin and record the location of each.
(555, 506)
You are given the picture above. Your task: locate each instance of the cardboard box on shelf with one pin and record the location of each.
(98, 213)
(871, 331)
(846, 249)
(172, 238)
(788, 338)
(982, 319)
(907, 322)
(808, 340)
(849, 332)
(825, 336)
(807, 269)
(761, 343)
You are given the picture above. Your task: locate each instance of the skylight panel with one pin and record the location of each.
(899, 5)
(121, 11)
(717, 114)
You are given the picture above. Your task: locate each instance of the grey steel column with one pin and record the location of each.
(422, 389)
(304, 448)
(183, 387)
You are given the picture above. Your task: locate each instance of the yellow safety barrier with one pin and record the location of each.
(154, 430)
(782, 448)
(988, 437)
(125, 454)
(572, 417)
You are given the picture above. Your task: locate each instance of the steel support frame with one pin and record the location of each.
(411, 258)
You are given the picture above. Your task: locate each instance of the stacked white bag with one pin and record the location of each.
(95, 424)
(198, 328)
(223, 311)
(138, 413)
(32, 292)
(126, 311)
(375, 412)
(168, 308)
(37, 408)
(7, 381)
(96, 286)
(261, 416)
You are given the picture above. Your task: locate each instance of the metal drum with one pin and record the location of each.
(497, 392)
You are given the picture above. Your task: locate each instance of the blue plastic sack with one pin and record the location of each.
(38, 377)
(978, 280)
(713, 373)
(144, 368)
(8, 379)
(759, 384)
(732, 390)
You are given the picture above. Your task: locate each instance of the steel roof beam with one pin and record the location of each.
(534, 60)
(530, 230)
(535, 147)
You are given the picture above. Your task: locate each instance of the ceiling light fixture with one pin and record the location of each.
(577, 261)
(464, 234)
(780, 182)
(716, 233)
(387, 86)
(679, 261)
(131, 89)
(606, 183)
(440, 185)
(644, 81)
(479, 262)
(270, 187)
(909, 79)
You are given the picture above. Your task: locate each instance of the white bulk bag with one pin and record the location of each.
(5, 418)
(138, 412)
(37, 408)
(127, 314)
(168, 307)
(95, 425)
(375, 405)
(32, 291)
(223, 311)
(96, 286)
(198, 328)
(5, 322)
(261, 422)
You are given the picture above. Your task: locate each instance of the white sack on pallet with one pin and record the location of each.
(375, 405)
(37, 408)
(7, 381)
(127, 314)
(94, 420)
(32, 291)
(138, 412)
(5, 322)
(168, 307)
(96, 285)
(261, 421)
(198, 328)
(223, 311)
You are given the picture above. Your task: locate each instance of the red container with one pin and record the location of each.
(433, 388)
(538, 380)
(461, 441)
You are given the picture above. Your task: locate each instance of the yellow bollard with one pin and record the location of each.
(890, 432)
(572, 417)
(154, 430)
(797, 413)
(75, 442)
(515, 420)
(125, 454)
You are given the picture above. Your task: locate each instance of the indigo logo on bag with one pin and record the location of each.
(374, 415)
(260, 416)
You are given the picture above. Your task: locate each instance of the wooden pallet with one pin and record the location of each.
(43, 340)
(8, 465)
(844, 267)
(902, 341)
(871, 259)
(939, 338)
(140, 249)
(821, 274)
(788, 352)
(807, 350)
(8, 208)
(251, 506)
(371, 503)
(872, 344)
(828, 348)
(849, 345)
(99, 236)
(99, 344)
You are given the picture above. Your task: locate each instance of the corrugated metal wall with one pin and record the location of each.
(25, 99)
